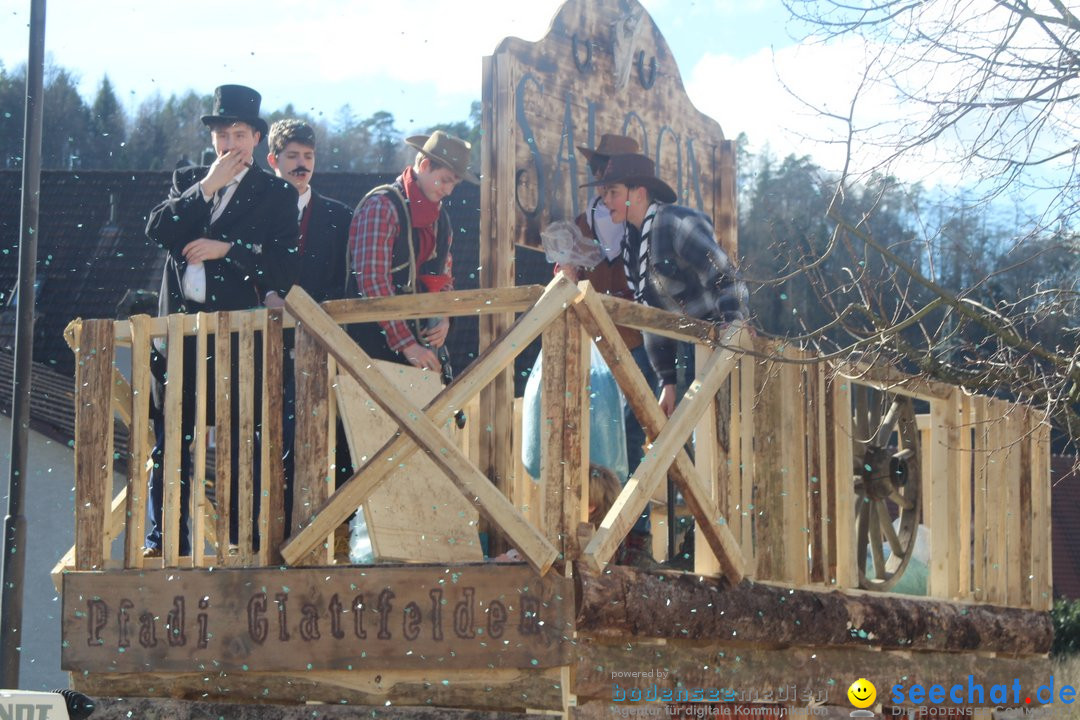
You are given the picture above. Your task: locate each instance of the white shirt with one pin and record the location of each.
(301, 203)
(193, 282)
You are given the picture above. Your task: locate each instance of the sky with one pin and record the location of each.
(420, 60)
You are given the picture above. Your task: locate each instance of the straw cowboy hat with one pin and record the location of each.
(446, 149)
(638, 170)
(236, 103)
(610, 144)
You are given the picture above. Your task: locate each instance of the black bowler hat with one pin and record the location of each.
(236, 103)
(638, 170)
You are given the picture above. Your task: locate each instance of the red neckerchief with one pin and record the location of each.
(424, 214)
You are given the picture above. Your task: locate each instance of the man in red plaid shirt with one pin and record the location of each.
(399, 242)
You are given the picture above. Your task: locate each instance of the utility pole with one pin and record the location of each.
(14, 557)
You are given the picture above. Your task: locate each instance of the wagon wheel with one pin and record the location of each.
(887, 485)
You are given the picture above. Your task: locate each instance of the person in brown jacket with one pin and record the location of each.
(609, 277)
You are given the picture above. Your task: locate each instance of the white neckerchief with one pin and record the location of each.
(609, 234)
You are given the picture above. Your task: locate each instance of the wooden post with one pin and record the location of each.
(552, 435)
(140, 444)
(769, 459)
(310, 445)
(245, 451)
(171, 474)
(706, 459)
(842, 471)
(980, 500)
(793, 469)
(497, 267)
(995, 503)
(937, 483)
(223, 432)
(576, 433)
(747, 409)
(272, 514)
(198, 462)
(965, 491)
(1013, 428)
(1042, 597)
(93, 441)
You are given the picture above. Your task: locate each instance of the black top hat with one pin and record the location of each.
(236, 103)
(637, 170)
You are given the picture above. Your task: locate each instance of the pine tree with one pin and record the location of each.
(108, 135)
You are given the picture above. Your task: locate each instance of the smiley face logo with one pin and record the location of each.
(862, 693)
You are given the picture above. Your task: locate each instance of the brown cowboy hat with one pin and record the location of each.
(611, 144)
(638, 170)
(236, 103)
(446, 149)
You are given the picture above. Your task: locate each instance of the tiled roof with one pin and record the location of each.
(92, 249)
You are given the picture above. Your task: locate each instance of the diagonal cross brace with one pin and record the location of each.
(670, 436)
(353, 493)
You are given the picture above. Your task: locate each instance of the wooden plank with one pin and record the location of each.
(312, 439)
(93, 440)
(258, 620)
(942, 511)
(747, 371)
(245, 452)
(794, 526)
(1013, 430)
(417, 515)
(552, 419)
(815, 465)
(980, 501)
(842, 471)
(1025, 480)
(198, 461)
(456, 303)
(952, 478)
(491, 361)
(114, 524)
(174, 446)
(497, 216)
(223, 421)
(964, 452)
(819, 441)
(1042, 597)
(395, 692)
(640, 488)
(575, 458)
(706, 460)
(626, 313)
(272, 518)
(891, 380)
(140, 443)
(996, 499)
(419, 426)
(121, 397)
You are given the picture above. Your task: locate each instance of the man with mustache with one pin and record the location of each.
(324, 222)
(323, 267)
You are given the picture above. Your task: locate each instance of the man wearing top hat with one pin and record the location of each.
(671, 258)
(230, 230)
(399, 242)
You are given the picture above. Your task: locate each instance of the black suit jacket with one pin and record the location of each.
(259, 221)
(323, 260)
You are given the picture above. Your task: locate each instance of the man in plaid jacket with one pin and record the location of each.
(671, 258)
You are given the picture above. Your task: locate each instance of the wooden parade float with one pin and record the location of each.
(800, 468)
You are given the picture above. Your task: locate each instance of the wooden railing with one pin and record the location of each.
(771, 483)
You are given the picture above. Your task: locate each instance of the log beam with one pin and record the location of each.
(690, 607)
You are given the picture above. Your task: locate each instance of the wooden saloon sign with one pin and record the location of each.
(270, 619)
(603, 67)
